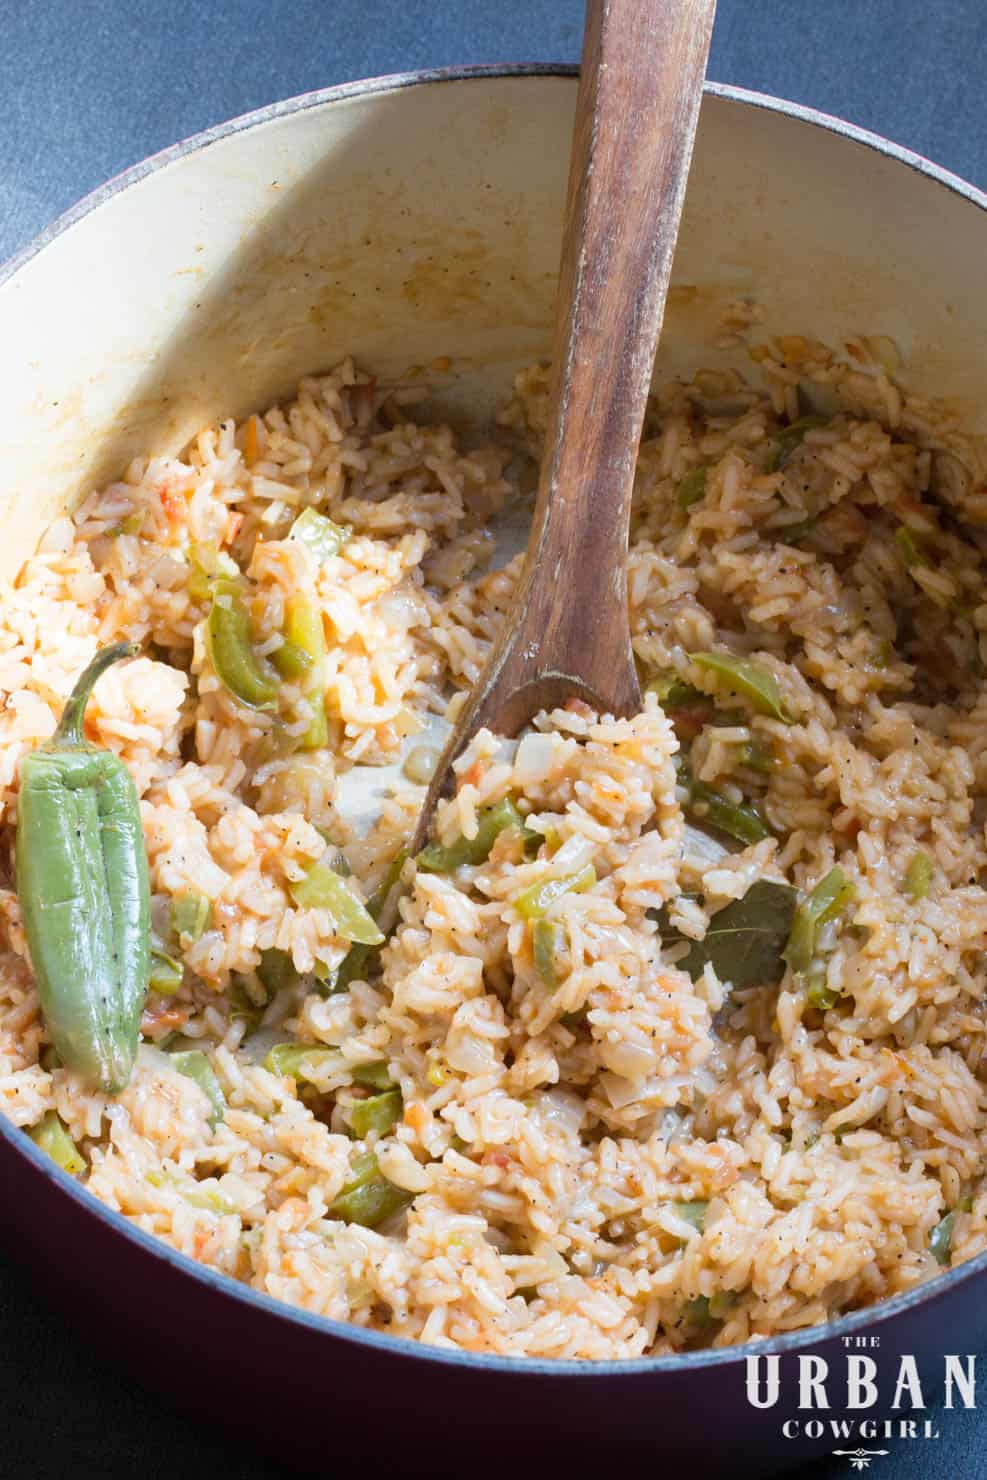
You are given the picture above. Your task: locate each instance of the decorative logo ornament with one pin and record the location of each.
(860, 1458)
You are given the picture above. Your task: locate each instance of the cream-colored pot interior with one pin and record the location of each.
(408, 220)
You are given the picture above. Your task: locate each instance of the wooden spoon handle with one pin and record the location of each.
(640, 89)
(638, 103)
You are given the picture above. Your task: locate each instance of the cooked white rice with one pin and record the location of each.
(557, 1141)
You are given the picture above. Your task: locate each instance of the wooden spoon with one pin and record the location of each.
(567, 633)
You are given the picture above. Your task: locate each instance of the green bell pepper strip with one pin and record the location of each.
(698, 1313)
(230, 650)
(322, 888)
(382, 904)
(532, 902)
(531, 841)
(818, 993)
(247, 1005)
(208, 567)
(131, 525)
(300, 1060)
(190, 915)
(919, 875)
(209, 1200)
(51, 1136)
(672, 693)
(693, 1213)
(546, 939)
(941, 1238)
(319, 534)
(688, 708)
(166, 974)
(755, 755)
(379, 1113)
(691, 488)
(276, 972)
(910, 546)
(368, 1198)
(195, 1066)
(202, 571)
(290, 660)
(360, 959)
(830, 896)
(737, 819)
(788, 439)
(491, 822)
(372, 1075)
(82, 882)
(305, 639)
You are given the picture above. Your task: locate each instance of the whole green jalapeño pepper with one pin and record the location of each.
(82, 883)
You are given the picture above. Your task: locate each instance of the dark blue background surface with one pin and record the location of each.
(88, 87)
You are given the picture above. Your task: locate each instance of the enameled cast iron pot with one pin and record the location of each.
(401, 220)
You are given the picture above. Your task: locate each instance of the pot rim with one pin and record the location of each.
(858, 1321)
(397, 81)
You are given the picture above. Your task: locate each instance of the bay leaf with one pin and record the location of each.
(745, 940)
